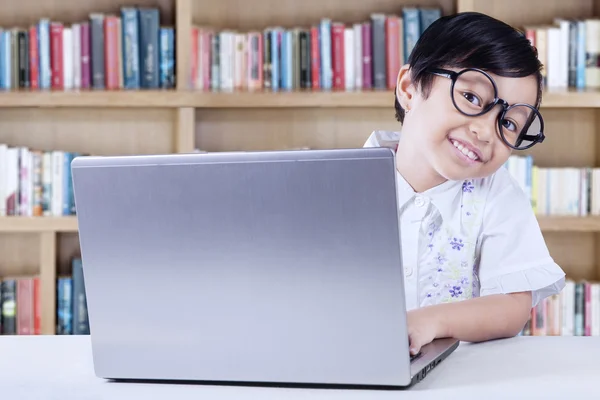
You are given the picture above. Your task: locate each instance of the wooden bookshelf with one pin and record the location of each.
(125, 99)
(181, 120)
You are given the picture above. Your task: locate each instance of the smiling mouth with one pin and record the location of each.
(466, 152)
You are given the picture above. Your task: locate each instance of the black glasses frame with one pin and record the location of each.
(453, 75)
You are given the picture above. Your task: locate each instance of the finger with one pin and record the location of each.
(415, 344)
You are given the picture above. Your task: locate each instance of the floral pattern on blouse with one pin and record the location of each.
(448, 263)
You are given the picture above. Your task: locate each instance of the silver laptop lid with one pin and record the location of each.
(254, 267)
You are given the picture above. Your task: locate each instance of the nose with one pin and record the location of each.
(484, 127)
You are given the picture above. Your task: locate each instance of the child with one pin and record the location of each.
(475, 261)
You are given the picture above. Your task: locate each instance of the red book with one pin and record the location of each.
(194, 60)
(86, 71)
(392, 56)
(25, 309)
(315, 58)
(34, 61)
(56, 55)
(37, 307)
(206, 38)
(337, 54)
(111, 52)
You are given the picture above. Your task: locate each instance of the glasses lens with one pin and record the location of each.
(473, 92)
(521, 126)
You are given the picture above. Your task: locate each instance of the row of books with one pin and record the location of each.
(575, 311)
(127, 51)
(20, 304)
(567, 191)
(569, 50)
(327, 55)
(35, 183)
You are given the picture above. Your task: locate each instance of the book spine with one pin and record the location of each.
(379, 51)
(9, 307)
(167, 57)
(111, 62)
(64, 317)
(367, 68)
(149, 47)
(56, 55)
(25, 307)
(97, 51)
(67, 57)
(267, 64)
(358, 63)
(337, 56)
(23, 48)
(45, 51)
(86, 68)
(37, 306)
(349, 71)
(304, 44)
(392, 31)
(315, 57)
(326, 67)
(76, 59)
(412, 29)
(80, 315)
(34, 60)
(215, 62)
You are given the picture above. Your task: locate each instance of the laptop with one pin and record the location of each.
(256, 268)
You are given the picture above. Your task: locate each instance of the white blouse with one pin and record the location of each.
(464, 239)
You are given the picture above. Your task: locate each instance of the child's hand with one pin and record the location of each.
(423, 327)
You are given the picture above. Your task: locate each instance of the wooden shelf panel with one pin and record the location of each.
(553, 98)
(38, 224)
(569, 224)
(91, 98)
(69, 224)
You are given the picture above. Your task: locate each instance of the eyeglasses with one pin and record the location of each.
(475, 93)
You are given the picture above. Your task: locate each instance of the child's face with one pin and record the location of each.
(439, 133)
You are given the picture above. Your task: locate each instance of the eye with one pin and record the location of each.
(508, 124)
(472, 98)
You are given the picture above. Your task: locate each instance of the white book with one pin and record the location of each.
(47, 173)
(68, 57)
(11, 199)
(554, 57)
(568, 306)
(57, 180)
(76, 32)
(358, 62)
(564, 27)
(349, 61)
(3, 163)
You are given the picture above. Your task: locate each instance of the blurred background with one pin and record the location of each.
(114, 77)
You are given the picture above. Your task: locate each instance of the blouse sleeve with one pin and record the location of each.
(513, 254)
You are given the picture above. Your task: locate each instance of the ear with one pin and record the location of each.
(405, 89)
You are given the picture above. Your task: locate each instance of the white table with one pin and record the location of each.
(60, 367)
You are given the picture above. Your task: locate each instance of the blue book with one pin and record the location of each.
(131, 48)
(149, 47)
(64, 306)
(6, 60)
(275, 59)
(326, 68)
(167, 57)
(412, 29)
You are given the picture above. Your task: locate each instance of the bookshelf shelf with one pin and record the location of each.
(38, 224)
(69, 224)
(569, 224)
(93, 99)
(554, 98)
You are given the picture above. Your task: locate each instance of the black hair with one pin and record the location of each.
(471, 40)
